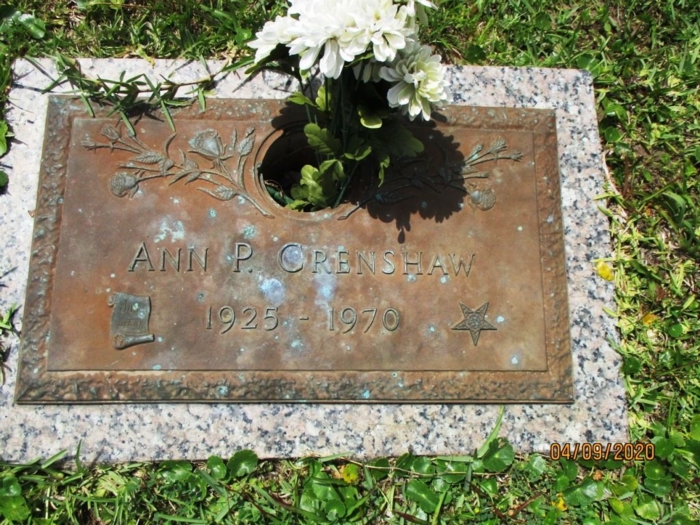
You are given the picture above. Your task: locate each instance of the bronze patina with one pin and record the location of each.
(162, 270)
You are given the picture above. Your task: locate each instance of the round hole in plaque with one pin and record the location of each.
(280, 169)
(279, 173)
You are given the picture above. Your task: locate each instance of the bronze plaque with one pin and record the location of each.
(162, 270)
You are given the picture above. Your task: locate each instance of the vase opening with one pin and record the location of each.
(280, 169)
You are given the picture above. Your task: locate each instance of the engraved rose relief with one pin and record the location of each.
(220, 180)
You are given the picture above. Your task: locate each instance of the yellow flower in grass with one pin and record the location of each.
(559, 503)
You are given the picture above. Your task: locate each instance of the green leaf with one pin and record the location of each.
(654, 470)
(584, 494)
(475, 54)
(418, 491)
(242, 463)
(405, 462)
(302, 511)
(569, 468)
(490, 486)
(322, 140)
(535, 466)
(34, 26)
(297, 204)
(493, 435)
(675, 330)
(615, 110)
(174, 470)
(695, 425)
(543, 21)
(660, 487)
(682, 520)
(9, 487)
(299, 98)
(308, 501)
(423, 465)
(359, 153)
(691, 452)
(14, 508)
(195, 488)
(368, 118)
(445, 468)
(680, 467)
(675, 204)
(378, 474)
(626, 486)
(663, 446)
(613, 135)
(3, 137)
(585, 61)
(351, 498)
(323, 102)
(383, 165)
(621, 508)
(646, 507)
(394, 140)
(333, 169)
(53, 459)
(243, 35)
(439, 485)
(316, 186)
(561, 482)
(334, 509)
(4, 180)
(323, 491)
(631, 365)
(676, 437)
(217, 467)
(499, 456)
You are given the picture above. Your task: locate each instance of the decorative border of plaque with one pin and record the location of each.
(38, 383)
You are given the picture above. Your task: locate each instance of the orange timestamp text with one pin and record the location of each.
(638, 451)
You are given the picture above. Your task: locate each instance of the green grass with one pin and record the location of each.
(645, 59)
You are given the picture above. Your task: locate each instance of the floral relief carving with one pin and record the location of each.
(414, 177)
(222, 180)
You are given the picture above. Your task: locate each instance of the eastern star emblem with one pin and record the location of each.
(474, 321)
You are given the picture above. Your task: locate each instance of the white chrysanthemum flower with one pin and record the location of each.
(305, 8)
(418, 78)
(281, 30)
(332, 33)
(414, 9)
(322, 26)
(387, 24)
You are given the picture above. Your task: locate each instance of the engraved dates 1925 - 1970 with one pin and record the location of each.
(343, 319)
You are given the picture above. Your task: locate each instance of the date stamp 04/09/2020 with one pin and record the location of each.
(638, 451)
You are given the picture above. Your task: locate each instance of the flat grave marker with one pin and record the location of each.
(113, 432)
(163, 271)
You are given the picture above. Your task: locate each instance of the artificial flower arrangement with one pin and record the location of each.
(369, 71)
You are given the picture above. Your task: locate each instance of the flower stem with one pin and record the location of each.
(345, 185)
